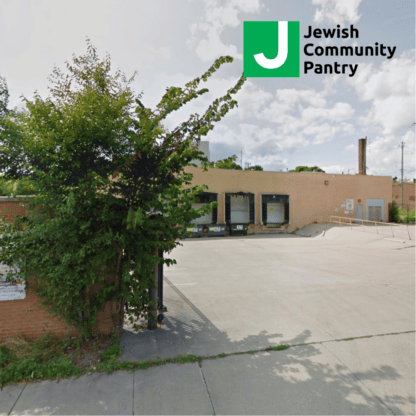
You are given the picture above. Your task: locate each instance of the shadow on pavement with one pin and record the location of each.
(300, 375)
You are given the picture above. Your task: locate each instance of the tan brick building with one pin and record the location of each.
(301, 197)
(408, 195)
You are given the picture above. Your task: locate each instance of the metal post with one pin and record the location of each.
(351, 223)
(375, 222)
(402, 173)
(340, 222)
(407, 226)
(161, 307)
(152, 323)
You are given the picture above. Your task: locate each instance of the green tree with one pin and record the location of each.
(91, 130)
(255, 167)
(14, 187)
(305, 169)
(227, 163)
(4, 97)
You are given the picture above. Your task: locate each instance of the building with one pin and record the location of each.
(291, 200)
(408, 195)
(286, 201)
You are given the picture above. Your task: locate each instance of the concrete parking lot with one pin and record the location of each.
(344, 300)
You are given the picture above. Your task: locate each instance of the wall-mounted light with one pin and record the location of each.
(326, 182)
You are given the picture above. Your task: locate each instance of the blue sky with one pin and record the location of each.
(280, 122)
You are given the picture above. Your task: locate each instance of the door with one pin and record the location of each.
(375, 213)
(375, 209)
(275, 212)
(371, 213)
(240, 209)
(205, 219)
(358, 213)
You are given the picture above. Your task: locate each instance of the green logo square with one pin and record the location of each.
(271, 49)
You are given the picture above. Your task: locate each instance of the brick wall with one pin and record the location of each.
(27, 317)
(10, 207)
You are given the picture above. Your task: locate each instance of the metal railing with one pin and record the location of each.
(351, 220)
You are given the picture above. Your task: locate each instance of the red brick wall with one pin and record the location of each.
(27, 317)
(9, 208)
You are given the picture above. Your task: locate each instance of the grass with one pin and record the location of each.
(49, 358)
(406, 216)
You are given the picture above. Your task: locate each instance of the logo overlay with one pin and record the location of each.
(271, 49)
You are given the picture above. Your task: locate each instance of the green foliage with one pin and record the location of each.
(4, 97)
(398, 214)
(394, 212)
(305, 169)
(228, 163)
(90, 129)
(15, 187)
(255, 167)
(395, 179)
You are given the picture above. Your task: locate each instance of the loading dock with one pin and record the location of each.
(209, 220)
(239, 211)
(275, 209)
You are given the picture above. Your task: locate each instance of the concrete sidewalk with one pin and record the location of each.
(248, 293)
(358, 377)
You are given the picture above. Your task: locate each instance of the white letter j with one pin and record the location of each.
(281, 54)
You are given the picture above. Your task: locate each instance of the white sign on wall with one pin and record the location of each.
(350, 204)
(343, 205)
(8, 290)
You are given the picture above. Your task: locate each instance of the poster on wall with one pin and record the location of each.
(350, 204)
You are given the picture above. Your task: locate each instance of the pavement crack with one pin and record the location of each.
(132, 404)
(11, 410)
(206, 386)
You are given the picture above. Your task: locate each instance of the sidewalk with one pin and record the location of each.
(348, 318)
(306, 379)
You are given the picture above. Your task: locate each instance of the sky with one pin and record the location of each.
(280, 123)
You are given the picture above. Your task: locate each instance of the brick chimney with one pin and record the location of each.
(362, 144)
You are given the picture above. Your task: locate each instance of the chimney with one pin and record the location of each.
(362, 143)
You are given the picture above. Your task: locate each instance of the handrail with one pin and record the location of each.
(362, 221)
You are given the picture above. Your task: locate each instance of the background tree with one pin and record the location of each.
(227, 163)
(305, 169)
(4, 98)
(103, 163)
(255, 167)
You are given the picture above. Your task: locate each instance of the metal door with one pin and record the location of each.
(205, 219)
(275, 212)
(358, 213)
(375, 209)
(240, 209)
(377, 213)
(371, 213)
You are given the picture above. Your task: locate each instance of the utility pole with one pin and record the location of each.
(242, 160)
(402, 173)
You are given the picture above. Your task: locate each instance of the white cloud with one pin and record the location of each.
(335, 169)
(351, 148)
(337, 11)
(384, 154)
(218, 15)
(391, 91)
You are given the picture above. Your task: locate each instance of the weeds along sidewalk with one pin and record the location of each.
(49, 359)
